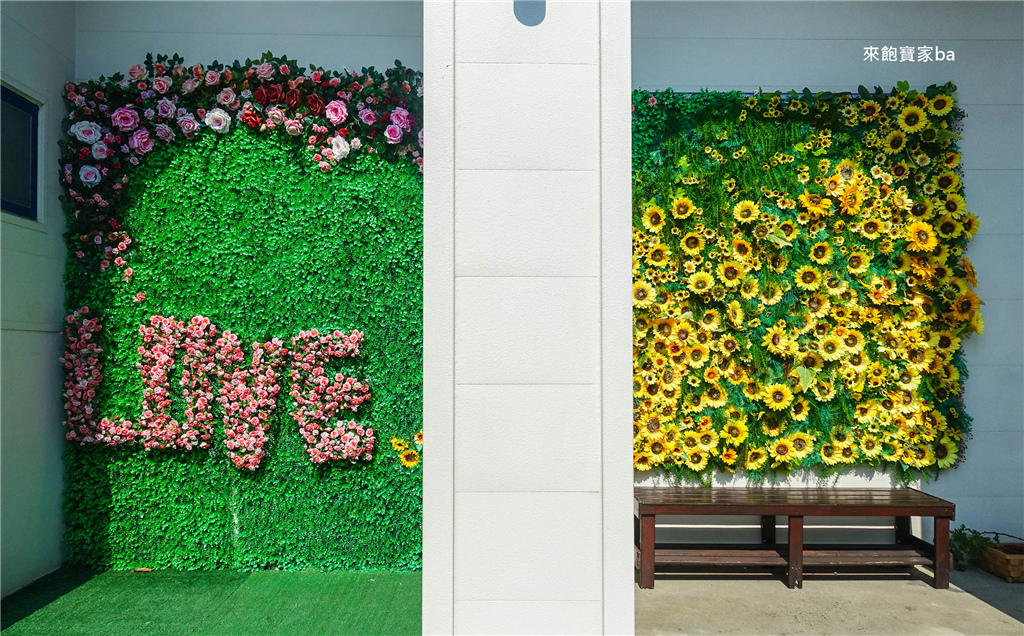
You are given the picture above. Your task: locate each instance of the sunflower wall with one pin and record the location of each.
(800, 287)
(747, 46)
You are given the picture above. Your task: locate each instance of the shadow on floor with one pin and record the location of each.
(42, 592)
(1005, 597)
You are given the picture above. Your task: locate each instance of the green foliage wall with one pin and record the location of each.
(244, 230)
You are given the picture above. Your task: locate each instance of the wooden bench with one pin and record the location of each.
(794, 503)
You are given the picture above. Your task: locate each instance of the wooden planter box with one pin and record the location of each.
(1005, 560)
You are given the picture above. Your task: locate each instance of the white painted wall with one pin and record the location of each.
(527, 526)
(37, 50)
(336, 35)
(780, 46)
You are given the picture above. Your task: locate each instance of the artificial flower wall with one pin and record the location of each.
(800, 286)
(244, 286)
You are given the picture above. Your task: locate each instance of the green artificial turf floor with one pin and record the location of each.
(77, 602)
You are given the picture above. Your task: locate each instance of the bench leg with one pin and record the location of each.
(902, 530)
(647, 552)
(796, 552)
(768, 529)
(942, 556)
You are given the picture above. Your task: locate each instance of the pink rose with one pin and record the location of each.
(225, 97)
(367, 116)
(265, 71)
(276, 115)
(293, 127)
(100, 151)
(89, 176)
(165, 108)
(188, 124)
(401, 118)
(285, 70)
(162, 84)
(164, 132)
(188, 86)
(140, 141)
(125, 119)
(393, 134)
(212, 78)
(420, 138)
(136, 72)
(336, 111)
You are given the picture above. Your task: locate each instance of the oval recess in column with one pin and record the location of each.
(529, 12)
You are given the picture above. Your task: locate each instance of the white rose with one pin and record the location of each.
(219, 120)
(99, 151)
(86, 131)
(89, 175)
(293, 127)
(340, 147)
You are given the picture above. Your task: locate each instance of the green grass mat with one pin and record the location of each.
(168, 603)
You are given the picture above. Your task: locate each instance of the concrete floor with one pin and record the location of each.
(709, 603)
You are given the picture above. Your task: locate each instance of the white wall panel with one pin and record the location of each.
(527, 223)
(528, 617)
(535, 127)
(336, 35)
(38, 50)
(483, 34)
(528, 546)
(532, 330)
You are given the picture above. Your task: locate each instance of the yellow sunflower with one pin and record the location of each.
(814, 203)
(829, 454)
(799, 409)
(870, 446)
(821, 253)
(746, 211)
(642, 461)
(895, 142)
(692, 243)
(858, 262)
(781, 451)
(940, 105)
(735, 432)
(831, 348)
(945, 452)
(954, 205)
(807, 277)
(658, 255)
(654, 218)
(912, 119)
(706, 440)
(419, 438)
(802, 444)
(399, 444)
(409, 458)
(696, 460)
(755, 459)
(682, 208)
(643, 294)
(730, 272)
(777, 396)
(921, 237)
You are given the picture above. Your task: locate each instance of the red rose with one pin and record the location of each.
(275, 94)
(250, 119)
(316, 105)
(261, 96)
(293, 99)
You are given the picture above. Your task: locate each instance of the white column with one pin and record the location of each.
(527, 525)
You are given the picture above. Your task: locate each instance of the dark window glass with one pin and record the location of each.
(18, 135)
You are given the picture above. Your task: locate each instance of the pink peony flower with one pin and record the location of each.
(393, 134)
(125, 119)
(336, 111)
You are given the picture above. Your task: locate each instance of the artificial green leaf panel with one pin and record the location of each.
(800, 287)
(235, 229)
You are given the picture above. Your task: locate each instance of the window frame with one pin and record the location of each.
(28, 106)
